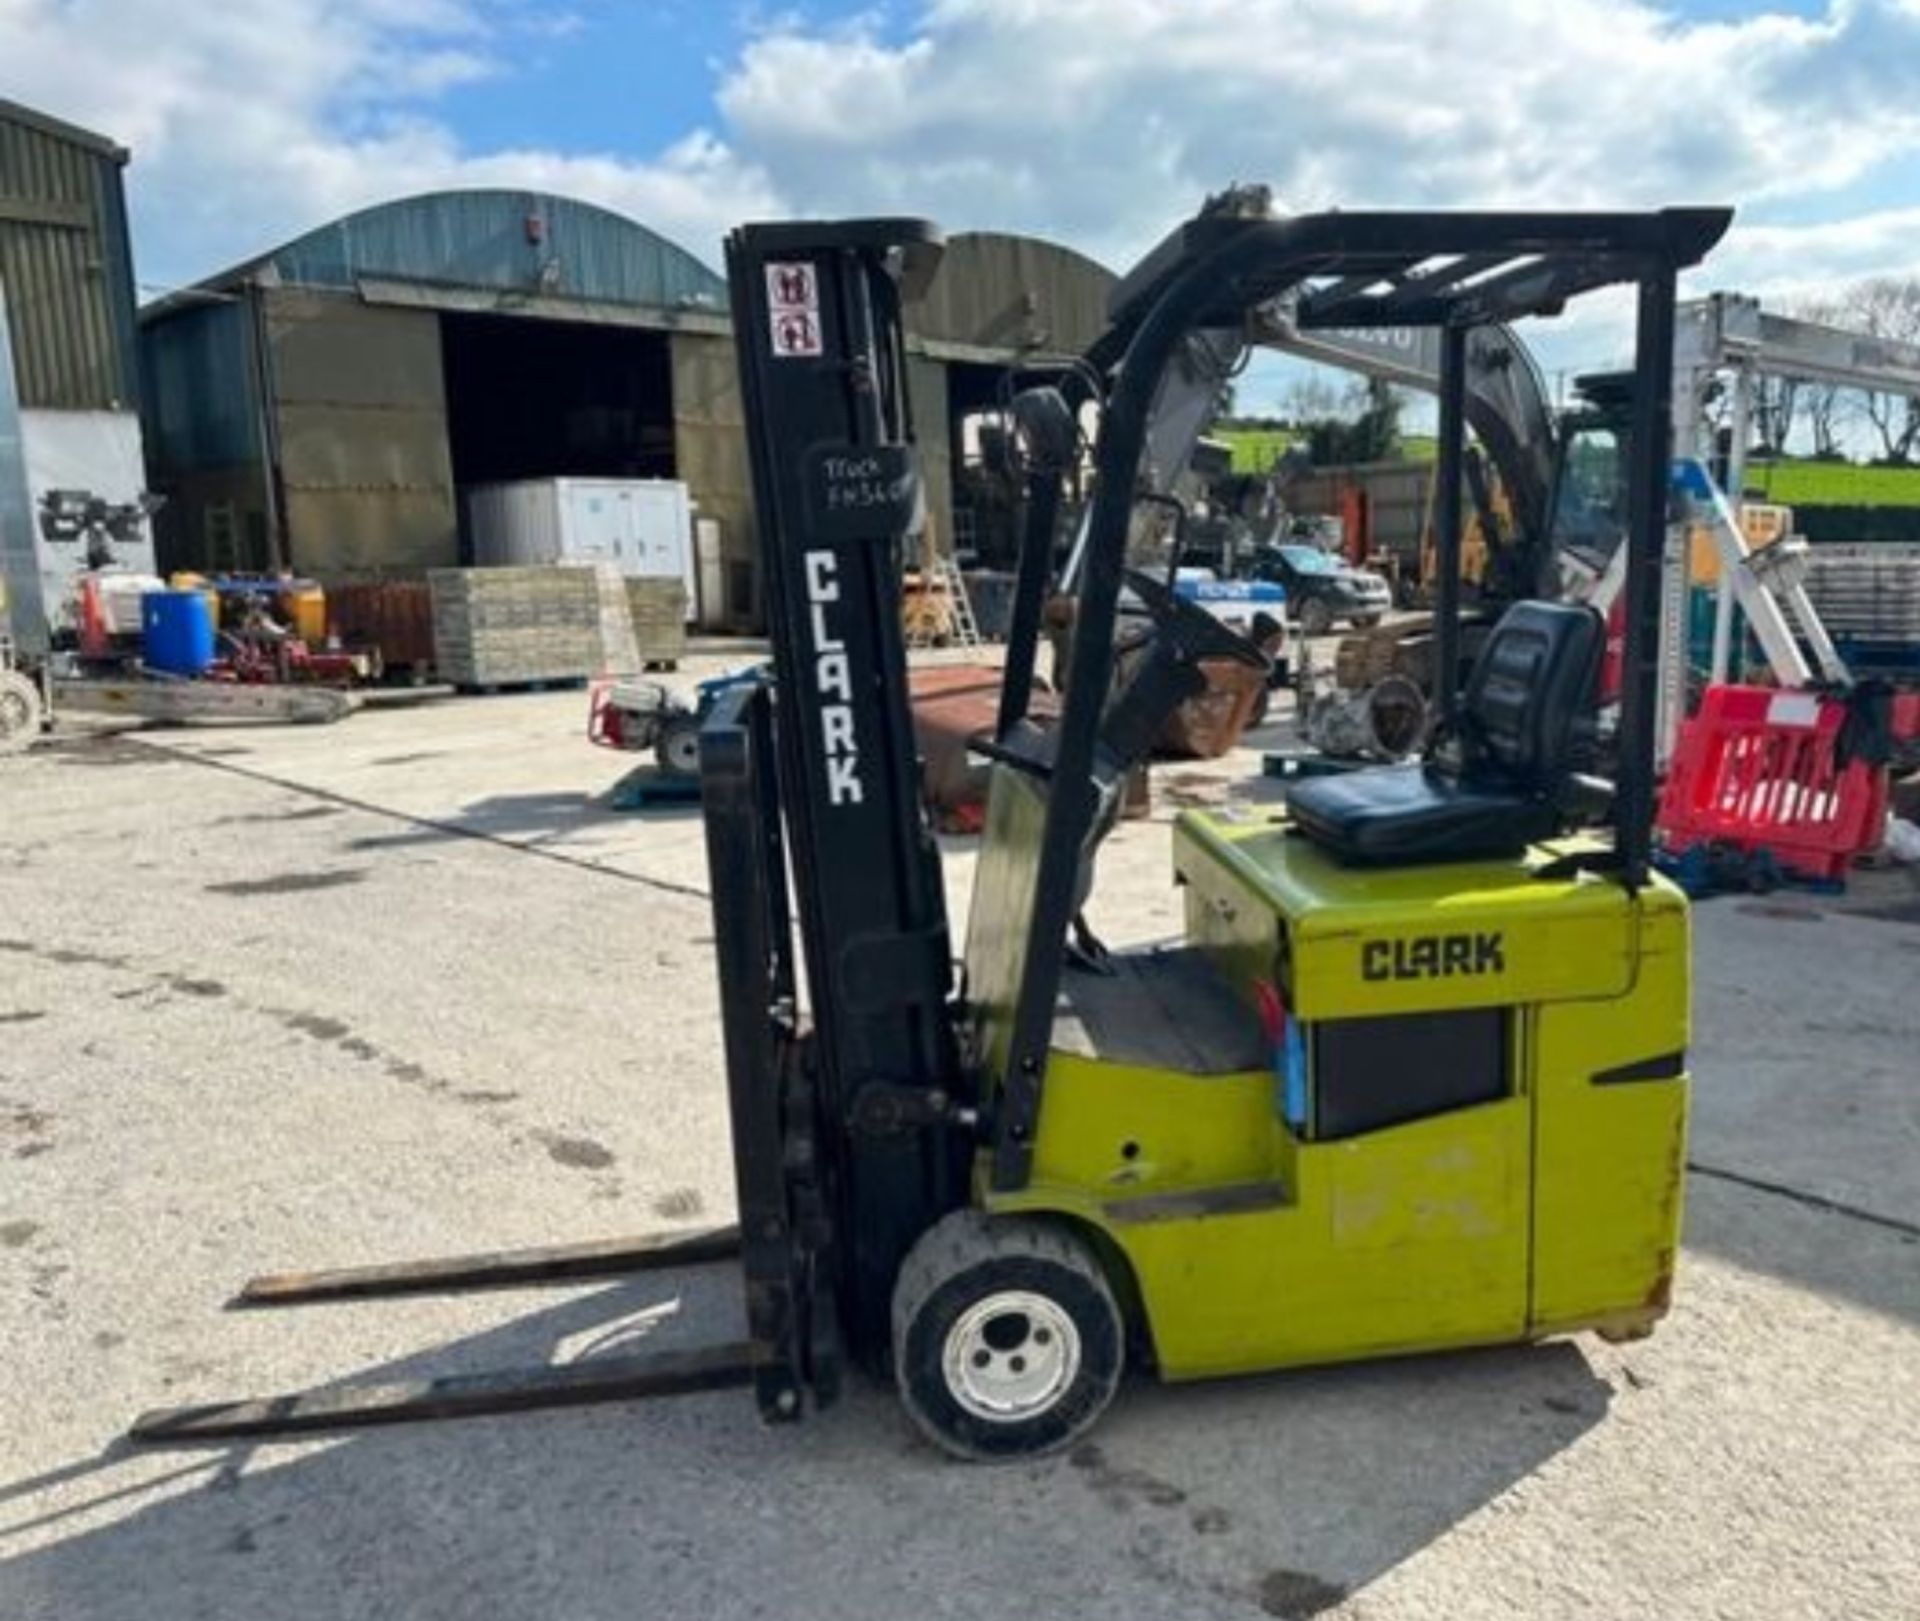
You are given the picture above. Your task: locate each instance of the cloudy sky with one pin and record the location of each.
(1095, 121)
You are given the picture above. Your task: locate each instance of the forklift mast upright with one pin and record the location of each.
(836, 481)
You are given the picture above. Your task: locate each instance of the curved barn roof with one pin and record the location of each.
(494, 240)
(997, 294)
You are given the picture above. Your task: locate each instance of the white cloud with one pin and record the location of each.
(1103, 120)
(252, 123)
(1098, 122)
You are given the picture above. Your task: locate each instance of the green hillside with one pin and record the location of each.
(1797, 483)
(1254, 449)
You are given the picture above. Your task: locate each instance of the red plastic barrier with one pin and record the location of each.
(1755, 768)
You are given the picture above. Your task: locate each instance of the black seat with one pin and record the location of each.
(1509, 779)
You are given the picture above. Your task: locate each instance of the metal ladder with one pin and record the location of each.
(1769, 585)
(952, 623)
(963, 629)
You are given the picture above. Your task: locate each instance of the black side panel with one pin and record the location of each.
(816, 313)
(1369, 1073)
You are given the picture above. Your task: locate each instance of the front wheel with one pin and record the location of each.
(1316, 618)
(1007, 1341)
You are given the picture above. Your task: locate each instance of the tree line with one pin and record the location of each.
(1879, 307)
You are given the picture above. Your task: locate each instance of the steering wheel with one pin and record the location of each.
(1194, 632)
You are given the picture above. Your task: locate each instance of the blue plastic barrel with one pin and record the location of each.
(176, 631)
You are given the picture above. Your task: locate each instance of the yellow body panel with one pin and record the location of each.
(1409, 1239)
(1552, 1208)
(1565, 937)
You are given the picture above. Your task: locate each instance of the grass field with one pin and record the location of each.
(1791, 482)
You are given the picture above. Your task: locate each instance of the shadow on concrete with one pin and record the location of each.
(1826, 1251)
(530, 820)
(1275, 1496)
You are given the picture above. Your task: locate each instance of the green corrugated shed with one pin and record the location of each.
(66, 264)
(299, 394)
(298, 411)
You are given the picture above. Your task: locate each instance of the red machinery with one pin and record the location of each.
(269, 634)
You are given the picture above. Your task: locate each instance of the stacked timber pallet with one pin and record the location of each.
(619, 651)
(510, 627)
(659, 608)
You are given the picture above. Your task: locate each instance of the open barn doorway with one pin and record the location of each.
(534, 399)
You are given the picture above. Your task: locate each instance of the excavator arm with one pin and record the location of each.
(1506, 400)
(1506, 406)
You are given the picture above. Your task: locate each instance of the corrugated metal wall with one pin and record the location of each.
(1397, 494)
(66, 265)
(200, 408)
(202, 420)
(927, 398)
(710, 457)
(361, 417)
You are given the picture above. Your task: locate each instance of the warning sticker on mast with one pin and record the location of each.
(793, 309)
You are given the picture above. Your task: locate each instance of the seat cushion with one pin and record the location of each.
(1532, 680)
(1413, 813)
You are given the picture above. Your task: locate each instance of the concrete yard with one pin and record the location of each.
(280, 999)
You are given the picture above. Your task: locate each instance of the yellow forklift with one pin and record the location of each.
(1414, 1076)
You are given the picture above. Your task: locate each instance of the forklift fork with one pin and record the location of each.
(781, 1243)
(598, 1379)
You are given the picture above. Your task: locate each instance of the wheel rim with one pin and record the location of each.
(683, 750)
(1011, 1356)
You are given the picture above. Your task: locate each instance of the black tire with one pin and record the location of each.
(1031, 1300)
(1316, 618)
(1365, 621)
(678, 746)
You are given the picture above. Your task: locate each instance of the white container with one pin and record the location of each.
(642, 526)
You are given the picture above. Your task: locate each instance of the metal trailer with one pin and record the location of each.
(885, 1115)
(29, 686)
